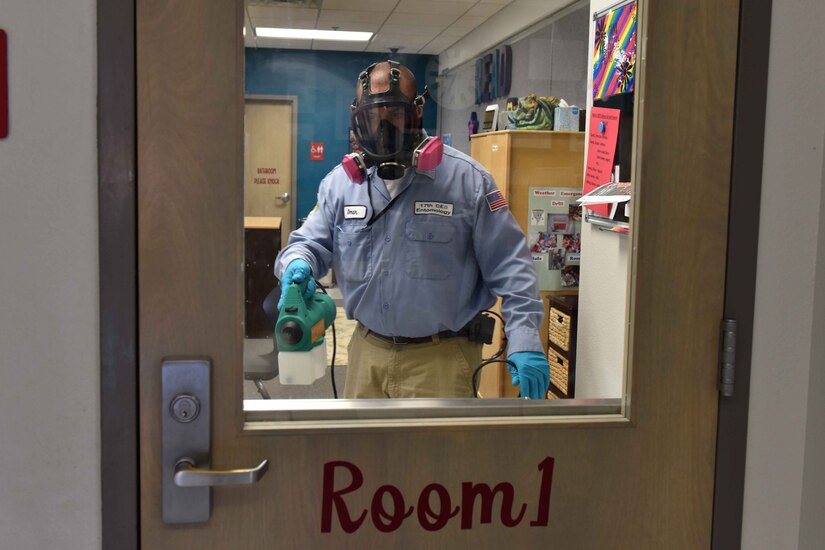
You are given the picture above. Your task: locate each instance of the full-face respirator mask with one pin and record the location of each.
(388, 132)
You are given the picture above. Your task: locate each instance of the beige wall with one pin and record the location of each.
(49, 405)
(785, 492)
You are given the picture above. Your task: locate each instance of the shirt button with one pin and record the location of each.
(429, 236)
(349, 243)
(388, 238)
(386, 272)
(386, 306)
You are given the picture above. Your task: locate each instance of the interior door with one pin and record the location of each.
(640, 478)
(269, 161)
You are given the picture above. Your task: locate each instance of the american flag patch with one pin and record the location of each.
(495, 200)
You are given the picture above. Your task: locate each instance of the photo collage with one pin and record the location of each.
(554, 236)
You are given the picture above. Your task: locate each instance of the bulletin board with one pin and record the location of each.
(554, 236)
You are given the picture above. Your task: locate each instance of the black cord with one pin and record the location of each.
(332, 365)
(334, 345)
(500, 351)
(481, 366)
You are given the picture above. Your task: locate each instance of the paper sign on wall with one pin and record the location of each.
(601, 147)
(4, 85)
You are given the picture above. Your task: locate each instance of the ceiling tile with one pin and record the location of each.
(415, 20)
(351, 20)
(432, 7)
(454, 32)
(276, 16)
(406, 44)
(484, 10)
(468, 22)
(360, 5)
(439, 44)
(430, 30)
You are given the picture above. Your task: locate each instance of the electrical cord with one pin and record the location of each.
(334, 346)
(482, 365)
(503, 338)
(494, 358)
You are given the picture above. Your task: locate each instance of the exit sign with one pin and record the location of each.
(4, 85)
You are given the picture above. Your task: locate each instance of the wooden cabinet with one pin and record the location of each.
(518, 160)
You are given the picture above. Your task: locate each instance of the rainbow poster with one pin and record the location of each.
(614, 52)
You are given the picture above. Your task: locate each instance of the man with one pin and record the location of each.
(418, 253)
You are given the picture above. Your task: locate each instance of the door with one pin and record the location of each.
(269, 159)
(640, 476)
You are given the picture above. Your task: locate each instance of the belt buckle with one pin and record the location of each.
(397, 342)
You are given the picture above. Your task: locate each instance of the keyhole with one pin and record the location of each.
(185, 408)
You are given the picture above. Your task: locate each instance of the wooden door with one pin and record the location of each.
(269, 161)
(639, 477)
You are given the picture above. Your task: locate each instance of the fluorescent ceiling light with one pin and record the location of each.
(312, 34)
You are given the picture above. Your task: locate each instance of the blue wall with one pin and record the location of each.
(324, 82)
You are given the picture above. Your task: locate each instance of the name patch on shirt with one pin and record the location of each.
(355, 212)
(437, 208)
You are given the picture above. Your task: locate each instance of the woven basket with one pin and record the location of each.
(559, 367)
(559, 328)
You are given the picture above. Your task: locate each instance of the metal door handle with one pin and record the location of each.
(283, 199)
(186, 443)
(187, 475)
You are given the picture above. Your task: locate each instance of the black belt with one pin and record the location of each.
(479, 329)
(443, 335)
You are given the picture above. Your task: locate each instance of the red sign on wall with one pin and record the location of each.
(316, 151)
(4, 85)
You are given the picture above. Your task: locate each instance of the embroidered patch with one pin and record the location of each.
(355, 212)
(495, 200)
(437, 208)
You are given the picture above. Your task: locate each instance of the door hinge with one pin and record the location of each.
(727, 357)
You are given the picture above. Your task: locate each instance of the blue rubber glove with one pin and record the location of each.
(532, 373)
(297, 271)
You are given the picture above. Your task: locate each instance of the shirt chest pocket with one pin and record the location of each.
(430, 248)
(353, 250)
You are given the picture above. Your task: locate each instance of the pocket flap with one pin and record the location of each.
(435, 232)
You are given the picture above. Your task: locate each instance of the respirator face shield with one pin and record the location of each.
(388, 130)
(386, 124)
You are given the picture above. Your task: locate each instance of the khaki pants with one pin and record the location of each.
(441, 368)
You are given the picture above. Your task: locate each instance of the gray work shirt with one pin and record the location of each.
(442, 251)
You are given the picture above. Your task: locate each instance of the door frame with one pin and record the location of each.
(293, 184)
(117, 223)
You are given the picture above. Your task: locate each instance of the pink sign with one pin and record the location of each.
(601, 146)
(316, 151)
